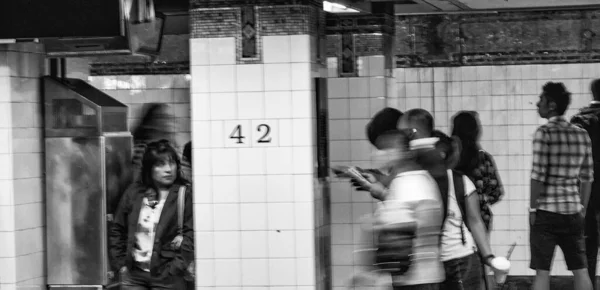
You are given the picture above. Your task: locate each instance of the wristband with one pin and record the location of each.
(487, 258)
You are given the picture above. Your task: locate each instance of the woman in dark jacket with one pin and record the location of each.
(146, 224)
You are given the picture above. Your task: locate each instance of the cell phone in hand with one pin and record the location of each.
(350, 172)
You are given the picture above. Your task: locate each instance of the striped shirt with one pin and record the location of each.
(562, 157)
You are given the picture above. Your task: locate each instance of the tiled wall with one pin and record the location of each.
(22, 207)
(504, 96)
(254, 212)
(137, 90)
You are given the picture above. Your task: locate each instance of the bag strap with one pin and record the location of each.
(180, 207)
(459, 192)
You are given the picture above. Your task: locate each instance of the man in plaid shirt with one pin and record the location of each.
(561, 179)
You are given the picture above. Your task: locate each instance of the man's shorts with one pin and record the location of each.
(552, 229)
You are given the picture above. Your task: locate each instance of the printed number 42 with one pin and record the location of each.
(237, 134)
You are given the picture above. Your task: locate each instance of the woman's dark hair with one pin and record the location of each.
(383, 121)
(466, 127)
(156, 153)
(187, 151)
(444, 145)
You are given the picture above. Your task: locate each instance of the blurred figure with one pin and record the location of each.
(147, 246)
(186, 160)
(589, 119)
(561, 178)
(411, 205)
(157, 124)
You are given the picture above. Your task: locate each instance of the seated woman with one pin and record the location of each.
(146, 224)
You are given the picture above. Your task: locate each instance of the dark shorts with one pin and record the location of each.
(463, 273)
(435, 286)
(136, 279)
(552, 229)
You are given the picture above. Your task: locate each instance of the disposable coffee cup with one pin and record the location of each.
(501, 267)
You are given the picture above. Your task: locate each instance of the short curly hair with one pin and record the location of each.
(558, 94)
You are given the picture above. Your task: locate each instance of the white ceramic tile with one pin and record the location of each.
(201, 162)
(253, 189)
(357, 128)
(250, 105)
(5, 115)
(339, 129)
(339, 150)
(301, 74)
(253, 216)
(300, 48)
(278, 105)
(7, 245)
(199, 51)
(280, 188)
(305, 271)
(222, 78)
(227, 217)
(201, 134)
(252, 161)
(338, 87)
(303, 186)
(255, 272)
(224, 162)
(302, 104)
(203, 192)
(305, 245)
(9, 275)
(276, 49)
(359, 87)
(303, 132)
(238, 134)
(222, 51)
(204, 245)
(250, 78)
(304, 160)
(228, 272)
(305, 215)
(282, 272)
(227, 245)
(339, 108)
(285, 132)
(218, 133)
(359, 108)
(203, 217)
(278, 77)
(223, 106)
(279, 160)
(282, 244)
(266, 133)
(6, 196)
(280, 216)
(254, 244)
(226, 189)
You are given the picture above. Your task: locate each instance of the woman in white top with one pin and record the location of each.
(413, 199)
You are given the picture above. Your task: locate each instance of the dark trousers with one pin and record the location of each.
(435, 286)
(136, 279)
(463, 273)
(591, 239)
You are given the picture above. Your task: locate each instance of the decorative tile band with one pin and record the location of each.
(139, 68)
(237, 3)
(568, 36)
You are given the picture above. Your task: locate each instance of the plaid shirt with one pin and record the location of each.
(562, 157)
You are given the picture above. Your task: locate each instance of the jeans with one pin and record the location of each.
(463, 273)
(136, 279)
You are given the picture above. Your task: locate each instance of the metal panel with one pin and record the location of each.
(76, 211)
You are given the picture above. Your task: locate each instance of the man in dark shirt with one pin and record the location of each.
(589, 119)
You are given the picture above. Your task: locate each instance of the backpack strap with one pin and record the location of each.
(180, 208)
(459, 192)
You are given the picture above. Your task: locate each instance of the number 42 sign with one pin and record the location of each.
(244, 134)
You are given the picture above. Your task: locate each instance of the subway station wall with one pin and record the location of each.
(504, 96)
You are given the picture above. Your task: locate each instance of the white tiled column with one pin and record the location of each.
(22, 213)
(254, 211)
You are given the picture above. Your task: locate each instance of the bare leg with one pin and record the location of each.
(582, 279)
(542, 280)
